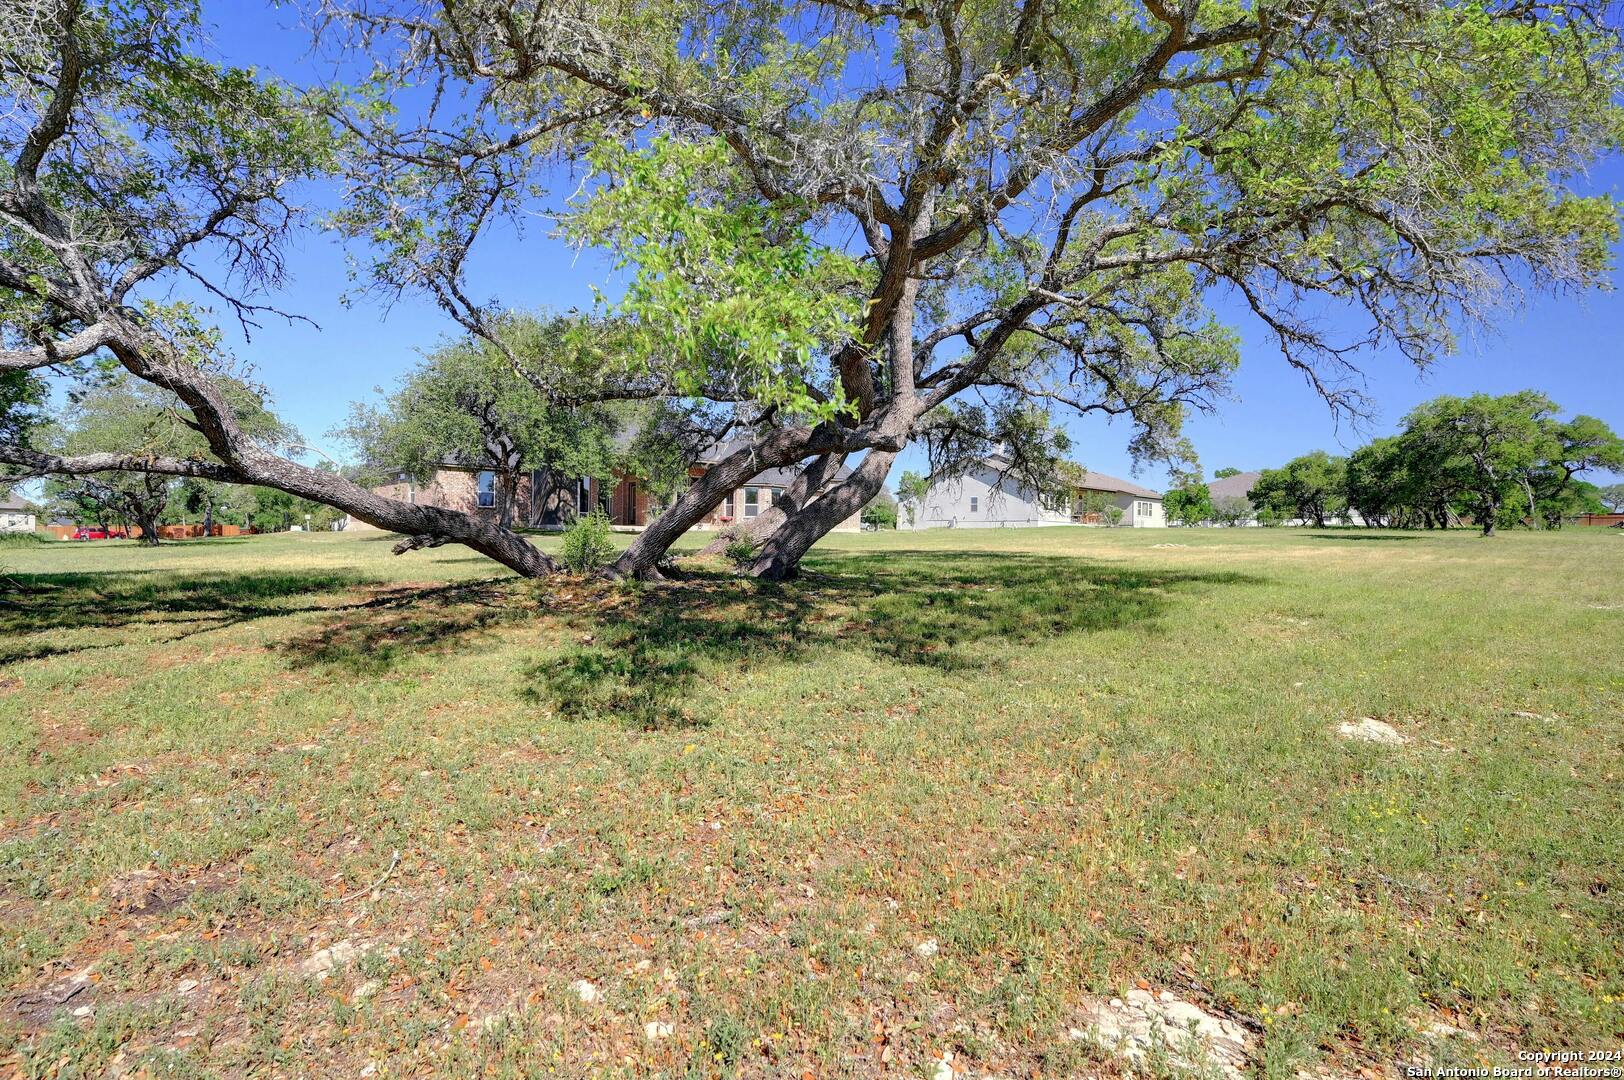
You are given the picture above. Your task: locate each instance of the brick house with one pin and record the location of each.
(544, 503)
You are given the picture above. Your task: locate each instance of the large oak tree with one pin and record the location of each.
(840, 217)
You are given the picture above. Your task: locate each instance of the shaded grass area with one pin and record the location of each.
(43, 615)
(1074, 760)
(647, 662)
(650, 650)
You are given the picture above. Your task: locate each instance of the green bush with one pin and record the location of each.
(27, 539)
(587, 544)
(881, 512)
(741, 546)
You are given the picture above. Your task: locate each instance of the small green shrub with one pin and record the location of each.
(587, 544)
(741, 546)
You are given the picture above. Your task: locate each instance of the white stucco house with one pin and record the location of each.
(15, 517)
(987, 497)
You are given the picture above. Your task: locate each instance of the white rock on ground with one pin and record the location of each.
(927, 948)
(1146, 1026)
(586, 991)
(322, 962)
(1370, 729)
(658, 1029)
(944, 1066)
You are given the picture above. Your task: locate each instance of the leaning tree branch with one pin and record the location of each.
(36, 463)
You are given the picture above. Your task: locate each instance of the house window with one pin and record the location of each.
(1143, 509)
(975, 504)
(752, 502)
(487, 488)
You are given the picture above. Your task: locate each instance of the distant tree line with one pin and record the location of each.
(1498, 461)
(117, 411)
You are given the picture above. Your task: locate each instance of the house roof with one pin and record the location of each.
(1233, 487)
(1091, 480)
(1098, 481)
(12, 502)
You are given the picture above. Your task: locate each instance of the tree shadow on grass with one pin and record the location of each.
(373, 637)
(648, 662)
(1362, 537)
(43, 615)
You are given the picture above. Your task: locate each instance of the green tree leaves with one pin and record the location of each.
(729, 294)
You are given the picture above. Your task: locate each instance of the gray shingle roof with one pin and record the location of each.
(1233, 486)
(1098, 481)
(1092, 481)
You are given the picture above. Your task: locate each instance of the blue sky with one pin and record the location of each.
(1568, 347)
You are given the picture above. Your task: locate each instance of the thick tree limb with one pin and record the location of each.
(60, 351)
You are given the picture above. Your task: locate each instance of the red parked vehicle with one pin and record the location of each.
(90, 532)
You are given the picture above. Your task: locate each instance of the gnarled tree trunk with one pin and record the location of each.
(780, 556)
(781, 448)
(789, 502)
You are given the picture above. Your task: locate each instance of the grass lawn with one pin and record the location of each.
(1075, 760)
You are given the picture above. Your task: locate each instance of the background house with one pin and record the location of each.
(545, 501)
(15, 516)
(750, 500)
(538, 503)
(985, 497)
(1236, 487)
(989, 497)
(1141, 507)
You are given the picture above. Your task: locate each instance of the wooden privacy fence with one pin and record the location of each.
(165, 532)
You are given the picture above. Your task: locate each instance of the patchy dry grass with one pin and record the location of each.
(1075, 760)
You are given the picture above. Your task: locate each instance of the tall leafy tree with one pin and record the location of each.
(1484, 447)
(1311, 488)
(1578, 446)
(1231, 510)
(1190, 504)
(912, 488)
(1384, 487)
(465, 403)
(121, 416)
(1502, 460)
(1038, 196)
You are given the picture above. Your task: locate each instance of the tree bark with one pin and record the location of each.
(789, 502)
(781, 448)
(148, 524)
(507, 493)
(780, 556)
